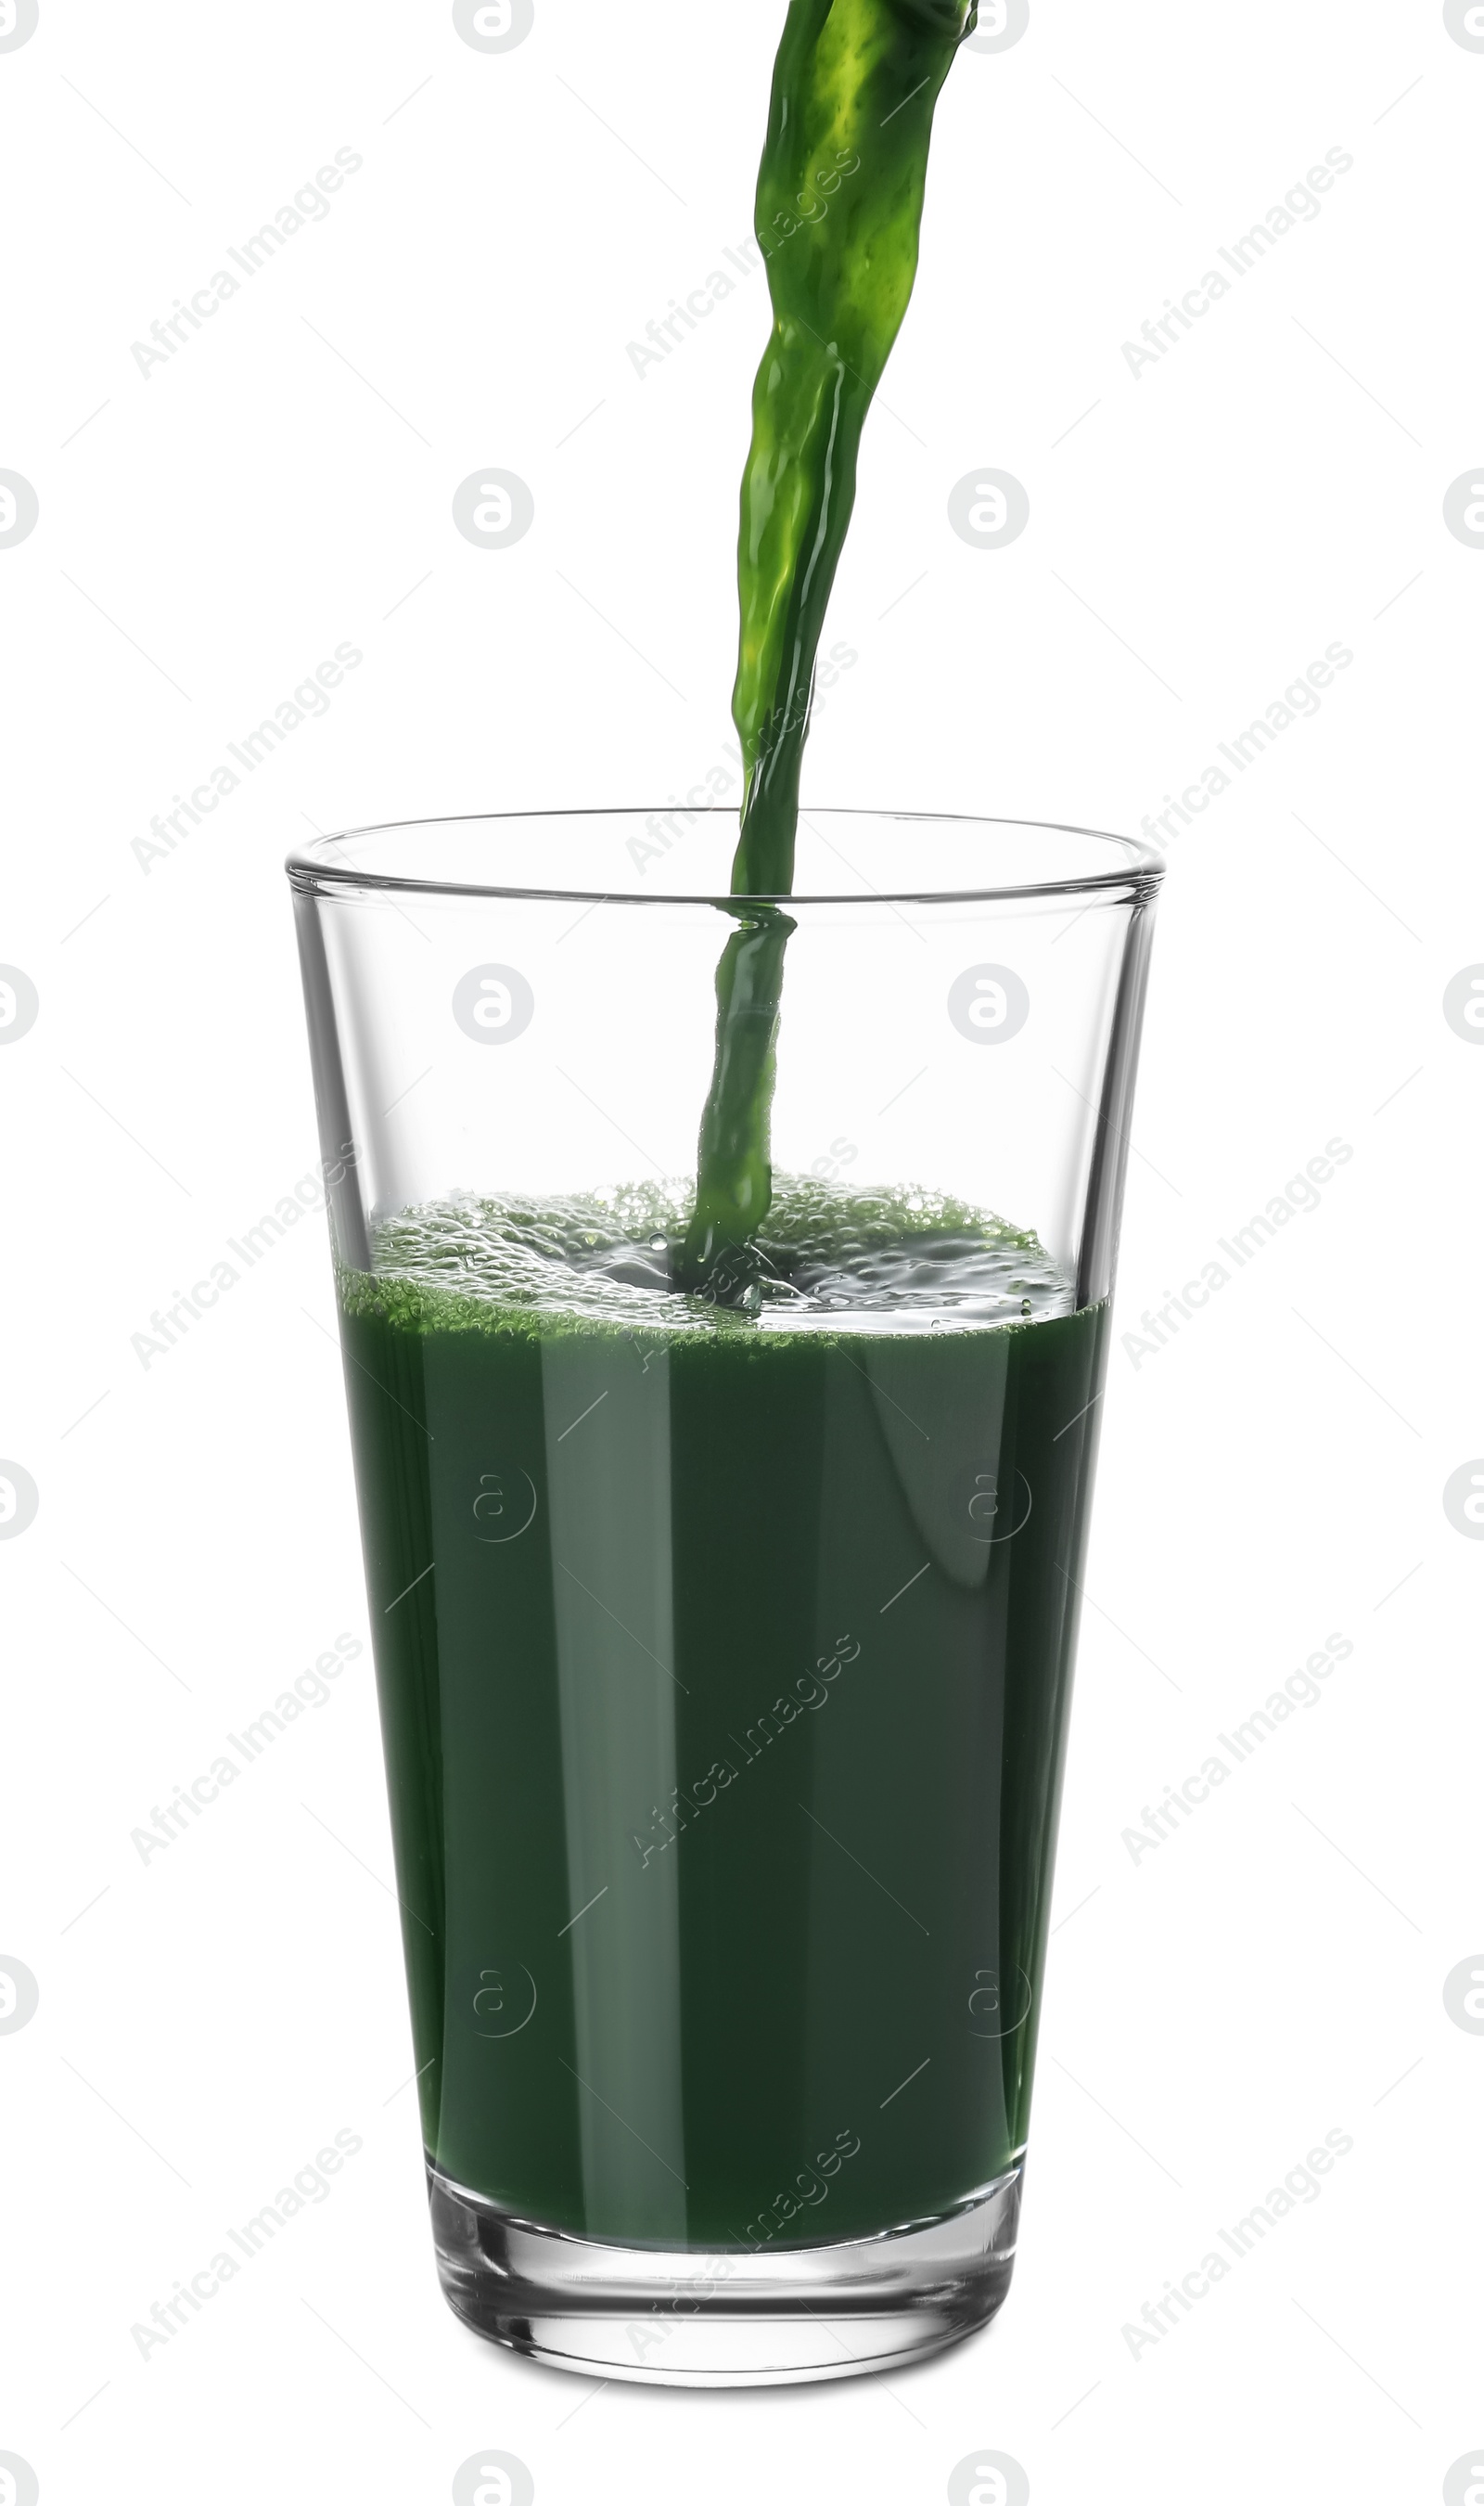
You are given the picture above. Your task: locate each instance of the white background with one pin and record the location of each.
(1197, 537)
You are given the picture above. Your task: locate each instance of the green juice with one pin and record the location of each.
(724, 1664)
(838, 214)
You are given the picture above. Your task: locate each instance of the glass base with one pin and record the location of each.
(724, 2316)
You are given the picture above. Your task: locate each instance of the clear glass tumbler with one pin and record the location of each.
(723, 1639)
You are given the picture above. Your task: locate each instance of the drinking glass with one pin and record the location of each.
(723, 1639)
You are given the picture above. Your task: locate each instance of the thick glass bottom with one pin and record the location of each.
(788, 2315)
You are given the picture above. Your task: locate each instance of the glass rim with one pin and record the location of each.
(313, 869)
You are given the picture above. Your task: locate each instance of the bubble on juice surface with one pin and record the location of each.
(827, 1259)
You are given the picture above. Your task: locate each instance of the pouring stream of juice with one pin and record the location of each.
(838, 213)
